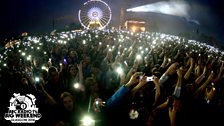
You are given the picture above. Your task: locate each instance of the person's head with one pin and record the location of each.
(24, 81)
(44, 74)
(53, 73)
(73, 54)
(67, 100)
(155, 71)
(87, 59)
(91, 84)
(95, 71)
(72, 70)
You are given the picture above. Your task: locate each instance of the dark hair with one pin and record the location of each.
(70, 66)
(52, 69)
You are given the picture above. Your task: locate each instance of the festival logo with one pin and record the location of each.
(22, 109)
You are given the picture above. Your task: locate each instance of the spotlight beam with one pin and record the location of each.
(174, 8)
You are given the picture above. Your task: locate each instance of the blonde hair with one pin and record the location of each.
(66, 94)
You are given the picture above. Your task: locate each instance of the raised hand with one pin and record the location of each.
(79, 66)
(180, 72)
(210, 93)
(134, 79)
(172, 69)
(98, 104)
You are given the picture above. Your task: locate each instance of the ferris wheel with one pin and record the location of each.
(95, 14)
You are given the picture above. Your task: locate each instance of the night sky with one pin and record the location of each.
(36, 16)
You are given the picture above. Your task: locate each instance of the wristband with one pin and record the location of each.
(177, 91)
(163, 79)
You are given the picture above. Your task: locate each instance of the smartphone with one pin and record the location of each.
(125, 62)
(65, 61)
(147, 78)
(37, 79)
(97, 103)
(37, 83)
(212, 72)
(169, 59)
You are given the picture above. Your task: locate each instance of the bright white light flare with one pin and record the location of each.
(175, 8)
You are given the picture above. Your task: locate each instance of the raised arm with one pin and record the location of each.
(141, 83)
(203, 86)
(157, 87)
(119, 95)
(220, 72)
(170, 71)
(177, 89)
(79, 66)
(201, 77)
(48, 98)
(165, 60)
(132, 70)
(188, 73)
(173, 110)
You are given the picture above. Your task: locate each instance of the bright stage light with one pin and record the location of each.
(175, 8)
(133, 29)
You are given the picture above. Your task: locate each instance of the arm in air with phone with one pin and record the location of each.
(116, 99)
(39, 82)
(143, 80)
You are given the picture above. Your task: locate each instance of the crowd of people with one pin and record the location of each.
(118, 77)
